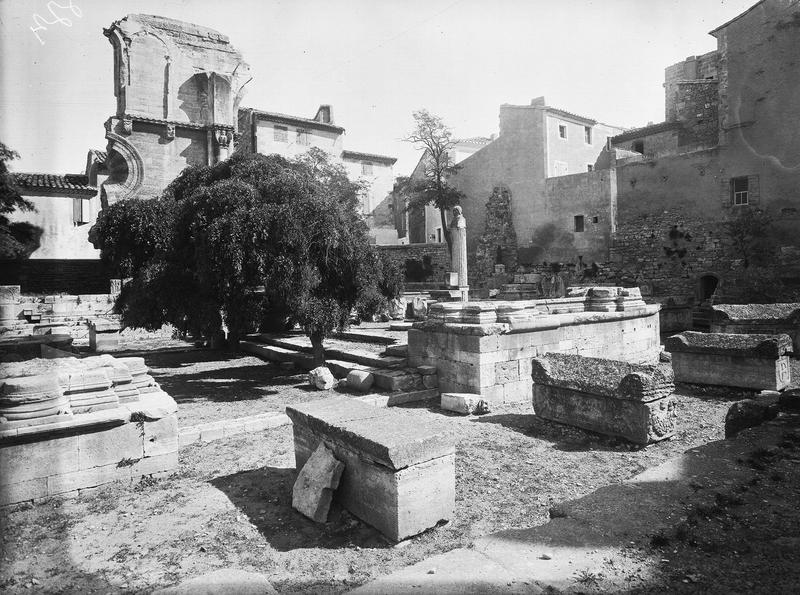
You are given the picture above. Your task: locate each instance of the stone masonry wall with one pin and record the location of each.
(432, 261)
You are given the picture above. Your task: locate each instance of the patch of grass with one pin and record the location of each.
(587, 578)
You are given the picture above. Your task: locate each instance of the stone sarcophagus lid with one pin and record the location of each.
(606, 396)
(399, 473)
(757, 362)
(758, 319)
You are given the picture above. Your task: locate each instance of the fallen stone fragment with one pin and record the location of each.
(360, 380)
(313, 490)
(748, 414)
(322, 378)
(464, 403)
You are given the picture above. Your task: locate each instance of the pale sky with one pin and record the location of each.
(375, 61)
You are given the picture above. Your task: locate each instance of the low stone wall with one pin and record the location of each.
(756, 362)
(68, 425)
(486, 348)
(605, 396)
(763, 319)
(399, 473)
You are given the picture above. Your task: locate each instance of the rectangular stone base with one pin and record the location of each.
(104, 342)
(726, 370)
(48, 461)
(399, 503)
(636, 421)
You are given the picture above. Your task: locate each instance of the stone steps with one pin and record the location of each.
(359, 356)
(395, 379)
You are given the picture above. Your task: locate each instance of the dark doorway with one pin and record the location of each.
(708, 285)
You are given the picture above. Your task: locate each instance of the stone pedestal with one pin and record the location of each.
(399, 473)
(757, 362)
(486, 348)
(9, 304)
(104, 336)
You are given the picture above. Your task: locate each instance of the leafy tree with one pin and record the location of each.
(18, 239)
(435, 138)
(750, 232)
(250, 242)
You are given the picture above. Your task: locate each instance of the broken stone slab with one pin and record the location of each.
(749, 413)
(360, 380)
(632, 401)
(464, 403)
(321, 378)
(318, 479)
(758, 362)
(399, 471)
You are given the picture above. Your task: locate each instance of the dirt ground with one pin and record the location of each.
(213, 385)
(229, 503)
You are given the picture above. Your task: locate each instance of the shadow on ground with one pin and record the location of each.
(265, 496)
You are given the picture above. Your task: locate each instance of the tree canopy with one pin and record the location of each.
(18, 239)
(251, 243)
(435, 139)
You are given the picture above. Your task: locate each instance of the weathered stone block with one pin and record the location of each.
(759, 362)
(464, 403)
(360, 380)
(748, 414)
(605, 396)
(399, 473)
(313, 490)
(321, 378)
(430, 381)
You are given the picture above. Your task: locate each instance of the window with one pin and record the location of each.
(366, 168)
(81, 211)
(589, 167)
(579, 223)
(560, 168)
(281, 134)
(740, 191)
(562, 130)
(594, 219)
(439, 234)
(638, 146)
(587, 134)
(302, 137)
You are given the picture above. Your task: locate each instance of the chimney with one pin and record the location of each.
(538, 102)
(324, 114)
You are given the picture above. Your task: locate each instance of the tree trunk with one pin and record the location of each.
(318, 349)
(446, 232)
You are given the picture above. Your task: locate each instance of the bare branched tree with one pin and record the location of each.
(435, 138)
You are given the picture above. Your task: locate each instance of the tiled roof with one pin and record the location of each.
(474, 140)
(567, 114)
(294, 120)
(63, 184)
(646, 131)
(357, 155)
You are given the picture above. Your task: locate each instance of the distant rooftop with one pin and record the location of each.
(646, 131)
(294, 120)
(359, 156)
(55, 183)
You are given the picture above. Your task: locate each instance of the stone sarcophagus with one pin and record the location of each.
(757, 362)
(606, 396)
(399, 473)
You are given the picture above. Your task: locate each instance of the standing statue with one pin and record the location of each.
(458, 236)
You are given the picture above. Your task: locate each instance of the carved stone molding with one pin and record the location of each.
(127, 126)
(170, 133)
(119, 189)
